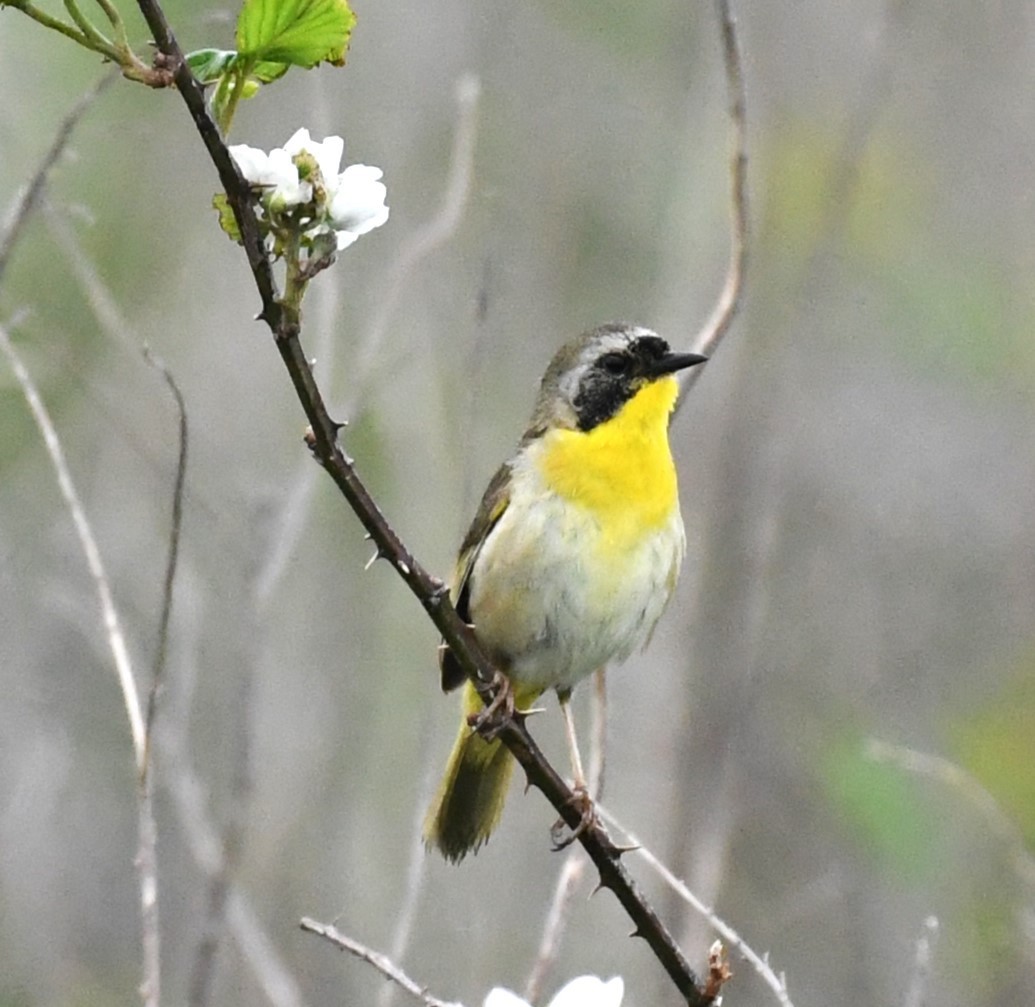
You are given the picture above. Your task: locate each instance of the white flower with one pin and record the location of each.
(275, 172)
(583, 991)
(358, 203)
(327, 154)
(349, 203)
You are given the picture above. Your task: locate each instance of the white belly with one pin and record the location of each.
(553, 600)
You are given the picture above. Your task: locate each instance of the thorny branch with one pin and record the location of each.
(429, 590)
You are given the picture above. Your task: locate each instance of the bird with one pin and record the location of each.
(571, 558)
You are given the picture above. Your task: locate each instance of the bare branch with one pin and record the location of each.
(147, 838)
(707, 340)
(917, 988)
(572, 870)
(598, 734)
(29, 197)
(381, 962)
(146, 860)
(103, 304)
(175, 524)
(84, 531)
(760, 963)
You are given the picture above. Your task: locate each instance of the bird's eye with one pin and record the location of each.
(615, 363)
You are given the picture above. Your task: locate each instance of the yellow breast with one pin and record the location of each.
(579, 566)
(621, 471)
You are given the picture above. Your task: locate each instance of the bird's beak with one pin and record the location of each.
(672, 362)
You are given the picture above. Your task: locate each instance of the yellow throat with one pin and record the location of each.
(621, 470)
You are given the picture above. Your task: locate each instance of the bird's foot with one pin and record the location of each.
(498, 711)
(582, 803)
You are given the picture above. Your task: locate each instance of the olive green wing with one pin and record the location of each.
(494, 503)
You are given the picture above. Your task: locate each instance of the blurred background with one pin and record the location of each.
(832, 735)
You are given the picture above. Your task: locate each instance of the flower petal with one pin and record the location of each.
(589, 991)
(345, 238)
(327, 153)
(283, 174)
(251, 162)
(499, 997)
(358, 204)
(328, 157)
(300, 140)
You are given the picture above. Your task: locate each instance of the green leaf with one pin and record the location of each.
(208, 65)
(300, 32)
(227, 220)
(265, 72)
(883, 809)
(996, 743)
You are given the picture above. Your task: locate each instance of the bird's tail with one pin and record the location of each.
(469, 801)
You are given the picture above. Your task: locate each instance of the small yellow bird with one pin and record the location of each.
(572, 556)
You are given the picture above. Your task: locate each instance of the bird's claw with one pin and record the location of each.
(580, 800)
(498, 711)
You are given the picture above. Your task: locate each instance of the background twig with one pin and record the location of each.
(381, 962)
(760, 963)
(146, 860)
(30, 195)
(574, 866)
(171, 563)
(707, 340)
(916, 991)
